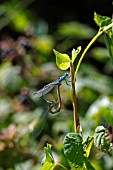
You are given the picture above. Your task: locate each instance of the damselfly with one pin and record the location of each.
(50, 86)
(53, 107)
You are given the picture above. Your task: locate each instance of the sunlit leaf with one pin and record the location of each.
(49, 162)
(62, 60)
(75, 53)
(44, 43)
(88, 143)
(100, 139)
(102, 21)
(20, 20)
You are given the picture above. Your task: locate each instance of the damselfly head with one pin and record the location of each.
(66, 74)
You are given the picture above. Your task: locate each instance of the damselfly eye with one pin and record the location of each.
(66, 74)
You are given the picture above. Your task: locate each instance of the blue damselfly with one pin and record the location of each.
(50, 86)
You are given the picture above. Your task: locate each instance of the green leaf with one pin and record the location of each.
(100, 54)
(74, 152)
(76, 30)
(62, 60)
(108, 37)
(100, 141)
(49, 163)
(75, 53)
(102, 21)
(88, 145)
(20, 20)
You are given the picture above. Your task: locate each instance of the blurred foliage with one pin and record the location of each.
(27, 63)
(72, 29)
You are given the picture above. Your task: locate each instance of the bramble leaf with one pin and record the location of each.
(100, 140)
(62, 60)
(74, 152)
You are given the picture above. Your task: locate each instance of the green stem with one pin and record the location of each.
(74, 101)
(89, 45)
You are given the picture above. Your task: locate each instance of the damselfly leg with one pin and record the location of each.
(58, 107)
(53, 107)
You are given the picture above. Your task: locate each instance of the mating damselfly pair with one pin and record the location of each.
(53, 106)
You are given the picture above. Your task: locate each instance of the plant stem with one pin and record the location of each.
(74, 101)
(89, 45)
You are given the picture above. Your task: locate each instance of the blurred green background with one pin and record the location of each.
(29, 30)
